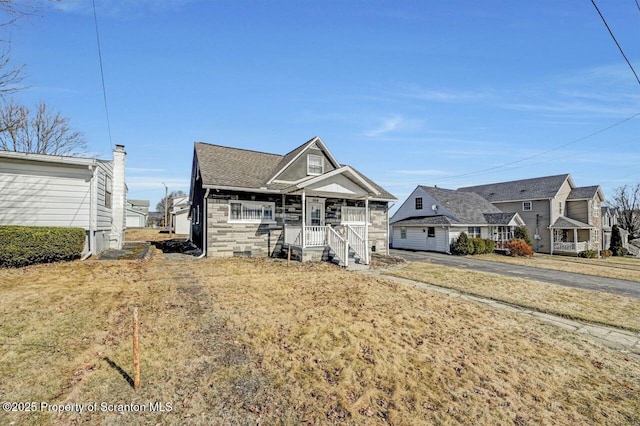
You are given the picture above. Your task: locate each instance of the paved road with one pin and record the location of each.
(569, 279)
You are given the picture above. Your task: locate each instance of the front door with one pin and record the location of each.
(315, 212)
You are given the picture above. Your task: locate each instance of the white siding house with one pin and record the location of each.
(432, 218)
(180, 215)
(47, 190)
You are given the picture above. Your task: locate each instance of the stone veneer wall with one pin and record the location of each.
(239, 239)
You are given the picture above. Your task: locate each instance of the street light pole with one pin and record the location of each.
(166, 196)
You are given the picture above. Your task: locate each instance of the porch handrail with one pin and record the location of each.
(339, 245)
(357, 242)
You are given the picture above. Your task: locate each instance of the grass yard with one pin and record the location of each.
(624, 268)
(248, 341)
(592, 306)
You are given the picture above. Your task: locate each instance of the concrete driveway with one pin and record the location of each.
(569, 279)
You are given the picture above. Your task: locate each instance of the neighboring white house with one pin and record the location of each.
(432, 218)
(137, 213)
(180, 215)
(51, 190)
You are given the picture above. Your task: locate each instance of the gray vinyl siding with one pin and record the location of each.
(103, 213)
(298, 169)
(536, 220)
(578, 210)
(561, 197)
(41, 194)
(417, 239)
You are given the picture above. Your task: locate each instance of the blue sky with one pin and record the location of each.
(448, 93)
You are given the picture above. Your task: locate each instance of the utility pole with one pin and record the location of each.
(166, 199)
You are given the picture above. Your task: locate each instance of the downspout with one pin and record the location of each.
(204, 225)
(551, 223)
(388, 239)
(92, 212)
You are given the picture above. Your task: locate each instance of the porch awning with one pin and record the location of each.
(568, 223)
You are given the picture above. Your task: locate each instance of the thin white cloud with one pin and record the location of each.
(121, 8)
(442, 95)
(154, 182)
(388, 125)
(144, 170)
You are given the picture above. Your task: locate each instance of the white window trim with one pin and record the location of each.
(353, 222)
(416, 203)
(530, 206)
(321, 158)
(252, 204)
(403, 232)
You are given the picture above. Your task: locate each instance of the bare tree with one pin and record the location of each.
(626, 200)
(169, 198)
(39, 132)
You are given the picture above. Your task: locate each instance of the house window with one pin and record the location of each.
(560, 208)
(108, 193)
(315, 165)
(419, 203)
(596, 209)
(403, 232)
(526, 206)
(431, 232)
(353, 215)
(474, 231)
(251, 211)
(196, 215)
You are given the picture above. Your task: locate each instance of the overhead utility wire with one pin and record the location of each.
(505, 165)
(616, 41)
(104, 90)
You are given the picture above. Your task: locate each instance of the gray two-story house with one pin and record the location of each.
(560, 217)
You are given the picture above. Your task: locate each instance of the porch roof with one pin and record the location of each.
(568, 223)
(505, 219)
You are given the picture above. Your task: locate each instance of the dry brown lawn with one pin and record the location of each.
(248, 341)
(624, 268)
(150, 234)
(597, 307)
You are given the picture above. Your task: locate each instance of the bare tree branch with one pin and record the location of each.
(627, 201)
(39, 132)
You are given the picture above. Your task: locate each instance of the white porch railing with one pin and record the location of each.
(357, 242)
(571, 246)
(339, 245)
(315, 236)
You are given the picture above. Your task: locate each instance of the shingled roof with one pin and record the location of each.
(525, 189)
(584, 193)
(240, 168)
(467, 207)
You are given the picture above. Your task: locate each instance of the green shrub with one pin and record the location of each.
(460, 247)
(490, 245)
(518, 247)
(588, 254)
(606, 253)
(522, 233)
(619, 251)
(479, 246)
(28, 245)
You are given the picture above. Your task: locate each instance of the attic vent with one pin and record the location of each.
(522, 190)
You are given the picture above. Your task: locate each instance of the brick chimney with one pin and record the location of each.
(119, 197)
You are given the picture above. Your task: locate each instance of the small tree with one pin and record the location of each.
(460, 246)
(616, 247)
(522, 233)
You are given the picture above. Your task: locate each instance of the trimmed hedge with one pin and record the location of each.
(588, 254)
(465, 245)
(29, 245)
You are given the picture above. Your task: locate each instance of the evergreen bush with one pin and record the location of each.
(616, 246)
(29, 245)
(479, 246)
(460, 246)
(522, 233)
(490, 245)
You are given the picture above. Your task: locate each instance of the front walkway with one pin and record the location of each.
(625, 341)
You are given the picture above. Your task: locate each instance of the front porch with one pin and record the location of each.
(570, 236)
(344, 245)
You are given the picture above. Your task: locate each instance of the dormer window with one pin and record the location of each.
(418, 203)
(315, 165)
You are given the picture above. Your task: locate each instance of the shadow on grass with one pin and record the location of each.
(119, 369)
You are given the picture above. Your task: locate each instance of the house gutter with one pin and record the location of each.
(204, 224)
(92, 211)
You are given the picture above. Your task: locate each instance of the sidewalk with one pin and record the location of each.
(625, 341)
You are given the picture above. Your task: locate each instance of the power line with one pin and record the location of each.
(616, 41)
(104, 89)
(506, 165)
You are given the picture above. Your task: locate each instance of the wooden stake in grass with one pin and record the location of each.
(136, 351)
(289, 256)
